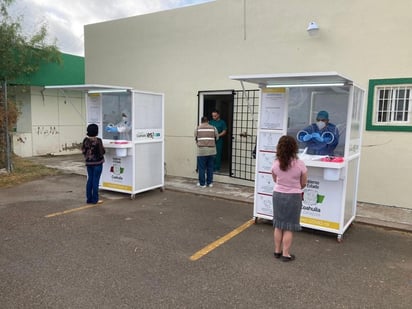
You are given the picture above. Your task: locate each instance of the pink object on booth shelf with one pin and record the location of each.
(121, 142)
(333, 159)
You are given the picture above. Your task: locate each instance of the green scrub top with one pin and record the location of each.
(220, 125)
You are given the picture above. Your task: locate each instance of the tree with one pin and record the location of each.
(20, 56)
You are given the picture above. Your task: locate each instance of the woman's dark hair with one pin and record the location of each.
(286, 151)
(92, 130)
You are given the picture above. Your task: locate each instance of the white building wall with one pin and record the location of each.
(51, 122)
(183, 51)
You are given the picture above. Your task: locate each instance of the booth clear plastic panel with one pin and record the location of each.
(304, 103)
(355, 129)
(117, 116)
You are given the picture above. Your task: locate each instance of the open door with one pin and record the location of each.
(221, 101)
(239, 110)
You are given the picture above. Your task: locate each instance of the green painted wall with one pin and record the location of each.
(69, 72)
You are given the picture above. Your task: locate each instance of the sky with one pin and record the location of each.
(65, 19)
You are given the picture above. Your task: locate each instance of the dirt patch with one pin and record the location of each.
(23, 171)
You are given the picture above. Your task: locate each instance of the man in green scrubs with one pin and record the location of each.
(221, 127)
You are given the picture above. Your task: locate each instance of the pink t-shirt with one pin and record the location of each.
(289, 181)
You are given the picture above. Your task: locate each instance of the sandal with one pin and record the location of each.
(288, 258)
(277, 255)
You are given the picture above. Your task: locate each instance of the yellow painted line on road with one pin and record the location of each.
(221, 240)
(71, 210)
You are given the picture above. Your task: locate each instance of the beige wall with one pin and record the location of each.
(183, 51)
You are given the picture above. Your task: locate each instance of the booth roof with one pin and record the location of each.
(264, 80)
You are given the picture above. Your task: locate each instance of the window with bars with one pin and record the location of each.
(389, 107)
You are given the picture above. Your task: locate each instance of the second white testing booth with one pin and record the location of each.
(131, 125)
(292, 104)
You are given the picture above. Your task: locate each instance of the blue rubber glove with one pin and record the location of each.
(307, 137)
(328, 137)
(111, 129)
(301, 135)
(317, 137)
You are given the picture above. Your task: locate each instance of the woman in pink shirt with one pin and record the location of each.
(290, 177)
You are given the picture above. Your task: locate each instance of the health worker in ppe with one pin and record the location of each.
(123, 128)
(320, 138)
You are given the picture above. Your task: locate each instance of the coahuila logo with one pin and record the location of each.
(116, 169)
(311, 196)
(147, 135)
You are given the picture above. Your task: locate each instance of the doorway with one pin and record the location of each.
(221, 101)
(239, 109)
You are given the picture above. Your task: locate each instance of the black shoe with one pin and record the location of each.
(277, 255)
(288, 258)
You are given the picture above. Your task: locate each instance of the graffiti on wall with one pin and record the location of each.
(73, 146)
(46, 130)
(21, 139)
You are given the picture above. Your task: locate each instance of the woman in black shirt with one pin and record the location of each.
(93, 151)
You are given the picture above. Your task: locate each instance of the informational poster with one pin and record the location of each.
(265, 183)
(263, 205)
(265, 161)
(94, 103)
(272, 112)
(268, 140)
(264, 190)
(271, 128)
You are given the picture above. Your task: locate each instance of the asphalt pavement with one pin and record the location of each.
(58, 252)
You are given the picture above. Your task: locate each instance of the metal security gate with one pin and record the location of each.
(244, 134)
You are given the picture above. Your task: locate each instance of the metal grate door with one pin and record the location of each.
(244, 130)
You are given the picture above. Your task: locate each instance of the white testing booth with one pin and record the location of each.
(131, 125)
(289, 103)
